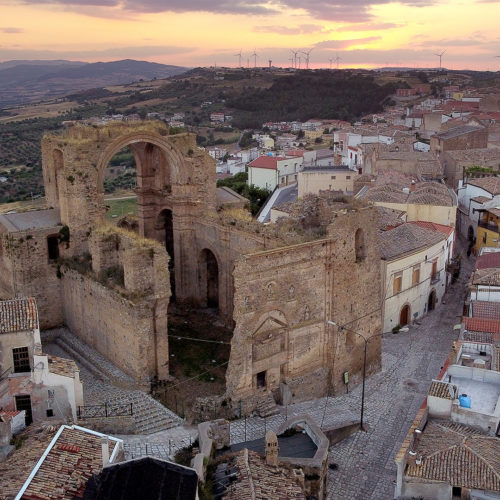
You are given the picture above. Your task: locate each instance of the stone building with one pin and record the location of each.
(276, 286)
(470, 136)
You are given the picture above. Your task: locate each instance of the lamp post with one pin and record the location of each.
(366, 340)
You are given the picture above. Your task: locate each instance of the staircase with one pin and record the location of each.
(267, 407)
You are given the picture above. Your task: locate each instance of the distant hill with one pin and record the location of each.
(27, 81)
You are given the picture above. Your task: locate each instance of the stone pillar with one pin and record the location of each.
(272, 448)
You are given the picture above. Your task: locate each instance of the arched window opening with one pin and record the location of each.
(209, 276)
(404, 317)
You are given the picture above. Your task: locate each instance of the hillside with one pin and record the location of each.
(28, 81)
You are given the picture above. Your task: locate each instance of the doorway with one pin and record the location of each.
(404, 317)
(211, 273)
(431, 303)
(24, 403)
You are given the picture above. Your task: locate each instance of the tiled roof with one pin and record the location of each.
(488, 260)
(62, 366)
(71, 460)
(482, 325)
(408, 238)
(18, 315)
(487, 277)
(447, 230)
(486, 310)
(490, 184)
(8, 414)
(480, 199)
(459, 456)
(389, 218)
(458, 131)
(441, 389)
(256, 479)
(269, 162)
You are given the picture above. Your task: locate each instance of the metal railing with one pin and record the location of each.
(491, 226)
(105, 410)
(435, 277)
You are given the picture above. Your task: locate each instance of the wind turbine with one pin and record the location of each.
(337, 59)
(306, 53)
(440, 55)
(331, 62)
(238, 55)
(254, 55)
(295, 52)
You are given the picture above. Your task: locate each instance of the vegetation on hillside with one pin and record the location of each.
(256, 196)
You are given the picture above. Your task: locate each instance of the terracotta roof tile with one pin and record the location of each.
(488, 260)
(487, 277)
(482, 325)
(441, 389)
(459, 456)
(62, 366)
(18, 315)
(486, 310)
(490, 184)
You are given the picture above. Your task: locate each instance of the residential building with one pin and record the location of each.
(414, 259)
(471, 136)
(488, 230)
(312, 180)
(72, 457)
(267, 172)
(474, 197)
(456, 162)
(217, 117)
(45, 386)
(422, 201)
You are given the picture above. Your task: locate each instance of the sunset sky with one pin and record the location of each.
(363, 33)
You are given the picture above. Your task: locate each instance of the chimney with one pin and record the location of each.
(105, 451)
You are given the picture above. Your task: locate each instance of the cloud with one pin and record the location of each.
(355, 11)
(303, 29)
(369, 26)
(461, 42)
(11, 30)
(109, 53)
(344, 44)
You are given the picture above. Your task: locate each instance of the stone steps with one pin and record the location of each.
(267, 407)
(99, 366)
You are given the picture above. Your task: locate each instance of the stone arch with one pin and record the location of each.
(359, 245)
(405, 315)
(209, 279)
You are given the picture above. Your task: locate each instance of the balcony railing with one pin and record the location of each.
(435, 277)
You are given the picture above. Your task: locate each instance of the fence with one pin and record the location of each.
(105, 410)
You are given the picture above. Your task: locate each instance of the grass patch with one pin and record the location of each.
(117, 208)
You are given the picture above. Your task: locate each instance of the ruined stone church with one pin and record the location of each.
(275, 286)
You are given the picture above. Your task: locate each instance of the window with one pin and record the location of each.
(416, 275)
(434, 270)
(24, 403)
(333, 177)
(398, 283)
(53, 247)
(347, 176)
(21, 359)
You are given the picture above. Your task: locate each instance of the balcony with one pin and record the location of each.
(435, 277)
(490, 226)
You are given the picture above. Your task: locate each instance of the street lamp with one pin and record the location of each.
(366, 340)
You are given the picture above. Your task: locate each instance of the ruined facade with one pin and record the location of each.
(112, 287)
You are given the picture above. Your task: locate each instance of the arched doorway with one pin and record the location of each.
(470, 234)
(431, 303)
(209, 279)
(404, 316)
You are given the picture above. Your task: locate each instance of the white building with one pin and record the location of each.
(414, 258)
(267, 172)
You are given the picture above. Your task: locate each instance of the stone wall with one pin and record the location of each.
(27, 271)
(282, 301)
(125, 321)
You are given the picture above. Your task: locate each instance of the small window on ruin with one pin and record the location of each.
(261, 379)
(359, 242)
(53, 247)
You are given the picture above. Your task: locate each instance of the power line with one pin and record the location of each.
(199, 340)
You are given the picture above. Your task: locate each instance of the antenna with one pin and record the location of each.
(440, 55)
(306, 53)
(254, 55)
(238, 55)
